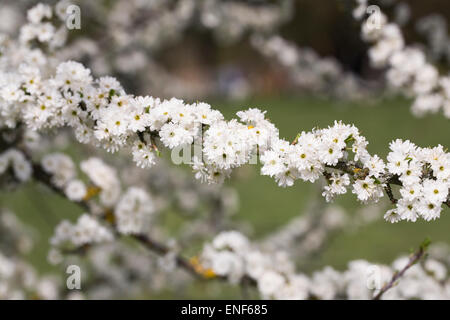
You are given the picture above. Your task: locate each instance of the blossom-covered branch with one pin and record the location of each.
(101, 113)
(407, 68)
(229, 257)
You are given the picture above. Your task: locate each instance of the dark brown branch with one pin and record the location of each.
(388, 191)
(162, 249)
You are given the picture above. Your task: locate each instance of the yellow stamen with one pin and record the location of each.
(92, 191)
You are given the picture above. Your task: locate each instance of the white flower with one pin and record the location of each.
(199, 169)
(173, 135)
(375, 165)
(73, 75)
(88, 230)
(251, 116)
(407, 210)
(337, 185)
(326, 283)
(392, 216)
(226, 144)
(39, 12)
(435, 191)
(133, 211)
(397, 163)
(437, 269)
(75, 190)
(44, 31)
(143, 155)
(330, 152)
(411, 174)
(426, 79)
(287, 177)
(228, 264)
(411, 192)
(367, 189)
(205, 114)
(85, 230)
(296, 288)
(402, 147)
(303, 156)
(60, 166)
(231, 239)
(360, 10)
(63, 232)
(256, 263)
(426, 103)
(272, 164)
(270, 283)
(99, 173)
(21, 166)
(429, 210)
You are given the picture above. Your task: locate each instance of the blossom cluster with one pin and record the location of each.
(424, 174)
(15, 236)
(132, 209)
(86, 230)
(18, 280)
(362, 280)
(103, 114)
(231, 255)
(62, 169)
(231, 20)
(407, 67)
(16, 160)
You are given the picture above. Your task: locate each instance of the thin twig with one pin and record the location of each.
(398, 274)
(162, 249)
(388, 191)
